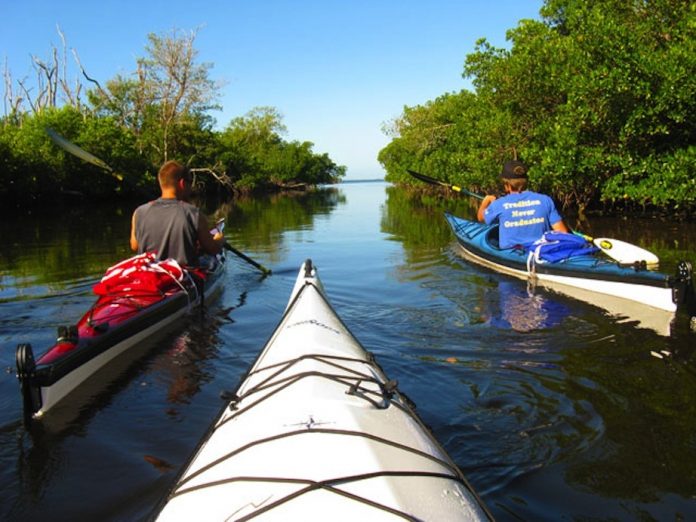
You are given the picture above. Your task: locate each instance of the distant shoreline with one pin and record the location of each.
(372, 180)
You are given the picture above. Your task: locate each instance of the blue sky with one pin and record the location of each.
(336, 70)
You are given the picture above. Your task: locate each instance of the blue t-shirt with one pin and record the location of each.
(523, 217)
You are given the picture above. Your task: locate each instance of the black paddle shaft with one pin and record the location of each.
(434, 181)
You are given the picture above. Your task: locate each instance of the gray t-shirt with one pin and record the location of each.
(168, 227)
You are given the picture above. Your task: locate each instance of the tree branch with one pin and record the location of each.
(90, 79)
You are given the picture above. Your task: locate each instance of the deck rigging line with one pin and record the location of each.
(353, 383)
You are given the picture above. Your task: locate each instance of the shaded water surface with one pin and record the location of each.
(554, 408)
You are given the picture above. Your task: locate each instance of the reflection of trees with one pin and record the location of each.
(417, 219)
(258, 223)
(648, 411)
(82, 241)
(671, 241)
(59, 247)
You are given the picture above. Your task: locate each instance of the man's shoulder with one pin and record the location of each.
(188, 205)
(164, 204)
(145, 205)
(546, 200)
(530, 195)
(189, 208)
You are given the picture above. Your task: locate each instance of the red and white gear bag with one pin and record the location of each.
(141, 274)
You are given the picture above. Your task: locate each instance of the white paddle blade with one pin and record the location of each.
(625, 252)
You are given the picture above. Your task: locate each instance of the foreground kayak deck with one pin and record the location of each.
(113, 325)
(589, 274)
(316, 431)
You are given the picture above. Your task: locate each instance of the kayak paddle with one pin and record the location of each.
(434, 181)
(246, 258)
(81, 153)
(625, 253)
(620, 251)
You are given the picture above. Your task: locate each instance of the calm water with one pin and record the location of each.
(554, 408)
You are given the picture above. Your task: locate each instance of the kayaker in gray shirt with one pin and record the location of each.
(170, 225)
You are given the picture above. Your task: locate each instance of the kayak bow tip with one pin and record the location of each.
(309, 270)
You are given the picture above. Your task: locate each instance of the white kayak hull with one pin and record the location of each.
(317, 432)
(655, 297)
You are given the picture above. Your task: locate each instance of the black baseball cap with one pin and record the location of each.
(514, 169)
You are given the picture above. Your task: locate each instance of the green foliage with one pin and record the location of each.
(597, 97)
(166, 108)
(657, 179)
(33, 162)
(139, 121)
(444, 138)
(255, 154)
(34, 166)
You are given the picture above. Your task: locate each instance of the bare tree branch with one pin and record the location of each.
(8, 99)
(72, 98)
(90, 79)
(46, 80)
(27, 94)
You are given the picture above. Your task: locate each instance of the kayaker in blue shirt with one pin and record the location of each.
(170, 225)
(523, 215)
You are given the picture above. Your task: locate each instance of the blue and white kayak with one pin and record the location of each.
(316, 431)
(591, 273)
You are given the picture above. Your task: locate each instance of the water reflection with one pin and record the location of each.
(259, 223)
(565, 415)
(557, 409)
(649, 413)
(670, 240)
(46, 254)
(182, 368)
(418, 222)
(521, 308)
(163, 373)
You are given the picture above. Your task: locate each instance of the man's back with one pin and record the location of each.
(523, 217)
(168, 227)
